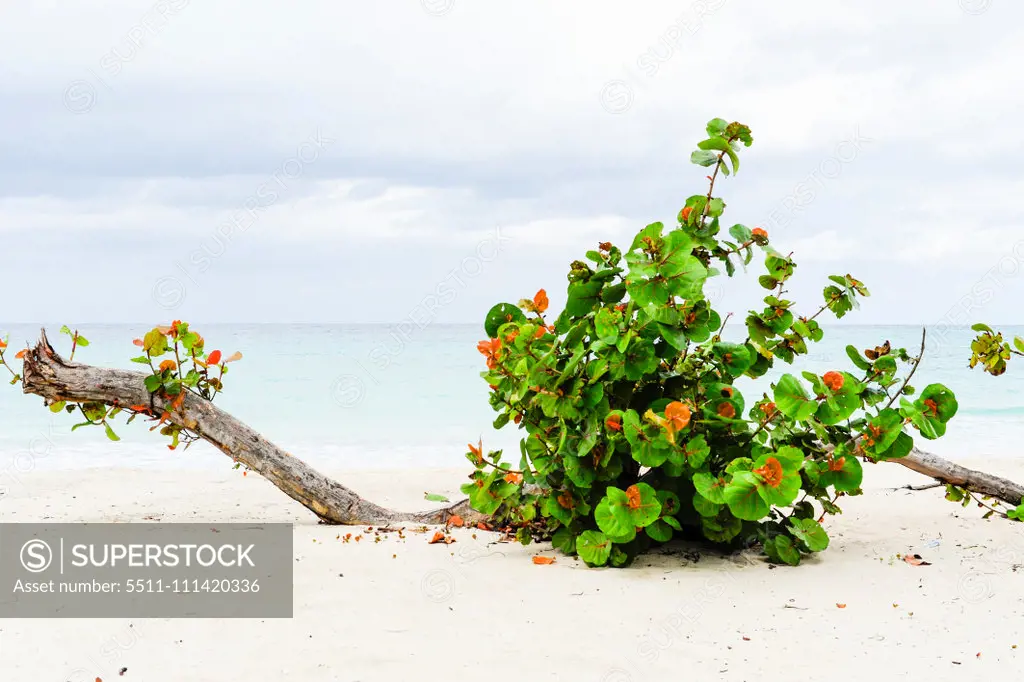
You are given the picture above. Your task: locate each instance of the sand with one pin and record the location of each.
(405, 609)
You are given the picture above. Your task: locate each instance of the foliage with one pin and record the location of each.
(635, 431)
(990, 350)
(186, 368)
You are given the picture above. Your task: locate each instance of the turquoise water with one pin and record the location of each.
(373, 397)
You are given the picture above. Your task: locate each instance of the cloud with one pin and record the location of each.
(159, 131)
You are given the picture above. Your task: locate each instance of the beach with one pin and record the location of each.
(400, 608)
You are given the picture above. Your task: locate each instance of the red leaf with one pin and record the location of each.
(213, 358)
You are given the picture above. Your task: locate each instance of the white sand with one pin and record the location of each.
(476, 610)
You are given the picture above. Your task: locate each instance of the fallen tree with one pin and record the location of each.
(47, 374)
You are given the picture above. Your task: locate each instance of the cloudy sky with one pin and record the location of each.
(366, 162)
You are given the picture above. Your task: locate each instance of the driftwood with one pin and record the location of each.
(49, 375)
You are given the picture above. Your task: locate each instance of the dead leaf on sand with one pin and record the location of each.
(916, 560)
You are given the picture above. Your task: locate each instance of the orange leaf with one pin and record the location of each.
(771, 472)
(21, 353)
(679, 414)
(726, 410)
(3, 344)
(540, 300)
(916, 560)
(633, 495)
(760, 232)
(840, 606)
(438, 537)
(477, 451)
(456, 521)
(543, 560)
(483, 526)
(213, 358)
(834, 380)
(234, 357)
(513, 478)
(614, 422)
(137, 342)
(168, 365)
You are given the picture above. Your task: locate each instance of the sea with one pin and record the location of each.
(373, 397)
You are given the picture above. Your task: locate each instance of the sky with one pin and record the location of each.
(327, 161)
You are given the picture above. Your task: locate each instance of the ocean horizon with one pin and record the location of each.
(390, 396)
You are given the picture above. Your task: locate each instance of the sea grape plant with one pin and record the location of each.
(634, 429)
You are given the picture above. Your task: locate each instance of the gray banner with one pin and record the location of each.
(145, 570)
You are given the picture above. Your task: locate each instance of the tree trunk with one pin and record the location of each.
(944, 471)
(48, 375)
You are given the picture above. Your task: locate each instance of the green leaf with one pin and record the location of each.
(564, 540)
(840, 405)
(743, 498)
(810, 533)
(703, 157)
(110, 432)
(736, 358)
(785, 550)
(847, 474)
(606, 324)
(153, 383)
(900, 447)
(696, 451)
(65, 330)
(594, 547)
(1018, 343)
(640, 359)
(57, 406)
(659, 531)
(611, 517)
(716, 127)
(881, 432)
(583, 296)
(792, 400)
(499, 315)
(710, 487)
(742, 233)
(857, 358)
(704, 506)
(434, 497)
(982, 328)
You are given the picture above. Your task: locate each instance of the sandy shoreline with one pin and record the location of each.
(403, 609)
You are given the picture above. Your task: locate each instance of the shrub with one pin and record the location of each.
(634, 429)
